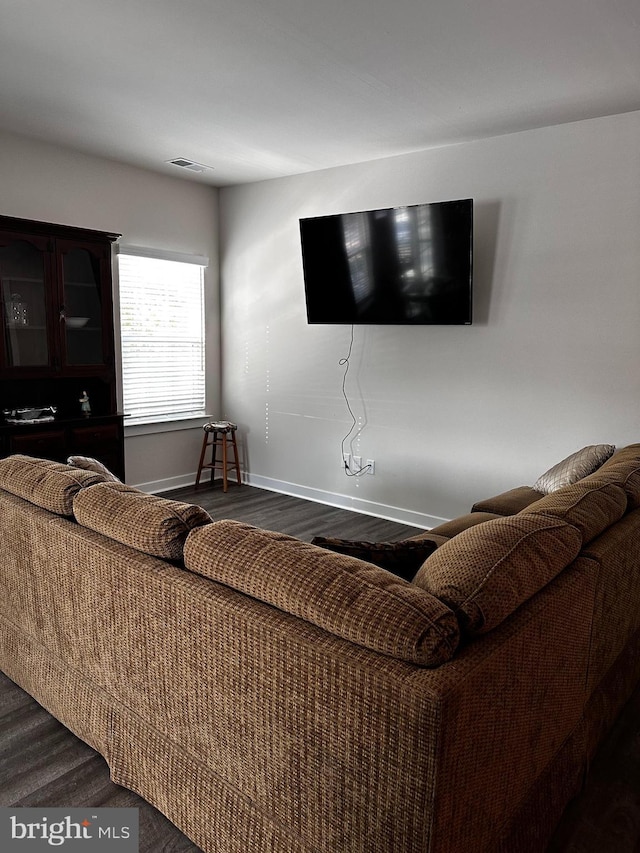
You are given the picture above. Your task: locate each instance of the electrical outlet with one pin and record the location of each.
(371, 466)
(357, 464)
(346, 461)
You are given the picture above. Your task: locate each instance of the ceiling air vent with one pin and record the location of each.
(190, 165)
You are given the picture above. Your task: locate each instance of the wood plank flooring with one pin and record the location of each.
(43, 764)
(300, 518)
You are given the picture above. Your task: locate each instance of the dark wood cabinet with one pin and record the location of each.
(98, 436)
(57, 340)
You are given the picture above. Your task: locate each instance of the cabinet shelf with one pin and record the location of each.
(23, 279)
(21, 327)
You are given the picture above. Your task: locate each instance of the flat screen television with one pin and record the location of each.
(396, 266)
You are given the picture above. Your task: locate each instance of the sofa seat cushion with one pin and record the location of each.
(341, 594)
(508, 503)
(624, 468)
(576, 466)
(145, 522)
(402, 558)
(50, 485)
(486, 572)
(592, 505)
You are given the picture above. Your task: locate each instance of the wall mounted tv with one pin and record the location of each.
(397, 266)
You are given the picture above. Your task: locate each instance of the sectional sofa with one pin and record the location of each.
(267, 694)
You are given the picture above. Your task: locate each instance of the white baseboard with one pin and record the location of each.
(155, 486)
(390, 513)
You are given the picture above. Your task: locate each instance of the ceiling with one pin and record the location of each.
(258, 89)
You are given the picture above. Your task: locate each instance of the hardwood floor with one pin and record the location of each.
(605, 818)
(300, 518)
(43, 764)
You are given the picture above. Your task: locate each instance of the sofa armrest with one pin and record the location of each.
(508, 503)
(449, 529)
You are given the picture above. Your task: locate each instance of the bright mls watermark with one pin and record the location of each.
(79, 830)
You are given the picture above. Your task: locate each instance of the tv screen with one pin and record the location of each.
(396, 266)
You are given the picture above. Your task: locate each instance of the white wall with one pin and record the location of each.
(450, 414)
(52, 184)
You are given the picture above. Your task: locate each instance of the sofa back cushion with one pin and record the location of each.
(624, 468)
(592, 505)
(50, 485)
(148, 523)
(346, 596)
(487, 571)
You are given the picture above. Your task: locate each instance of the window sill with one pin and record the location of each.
(166, 426)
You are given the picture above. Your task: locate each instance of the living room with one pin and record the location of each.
(451, 414)
(448, 413)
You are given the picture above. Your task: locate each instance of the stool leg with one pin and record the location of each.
(235, 456)
(224, 462)
(214, 453)
(201, 462)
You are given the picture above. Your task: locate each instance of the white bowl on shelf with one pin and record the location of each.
(76, 322)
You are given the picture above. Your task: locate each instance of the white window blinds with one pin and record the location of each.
(162, 331)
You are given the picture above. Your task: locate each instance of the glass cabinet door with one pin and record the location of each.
(82, 307)
(24, 306)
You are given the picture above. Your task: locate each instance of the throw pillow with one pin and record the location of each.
(88, 463)
(580, 464)
(402, 558)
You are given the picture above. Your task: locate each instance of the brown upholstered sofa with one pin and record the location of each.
(270, 695)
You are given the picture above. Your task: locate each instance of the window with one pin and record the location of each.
(162, 332)
(357, 242)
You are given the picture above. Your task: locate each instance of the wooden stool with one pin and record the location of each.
(219, 434)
